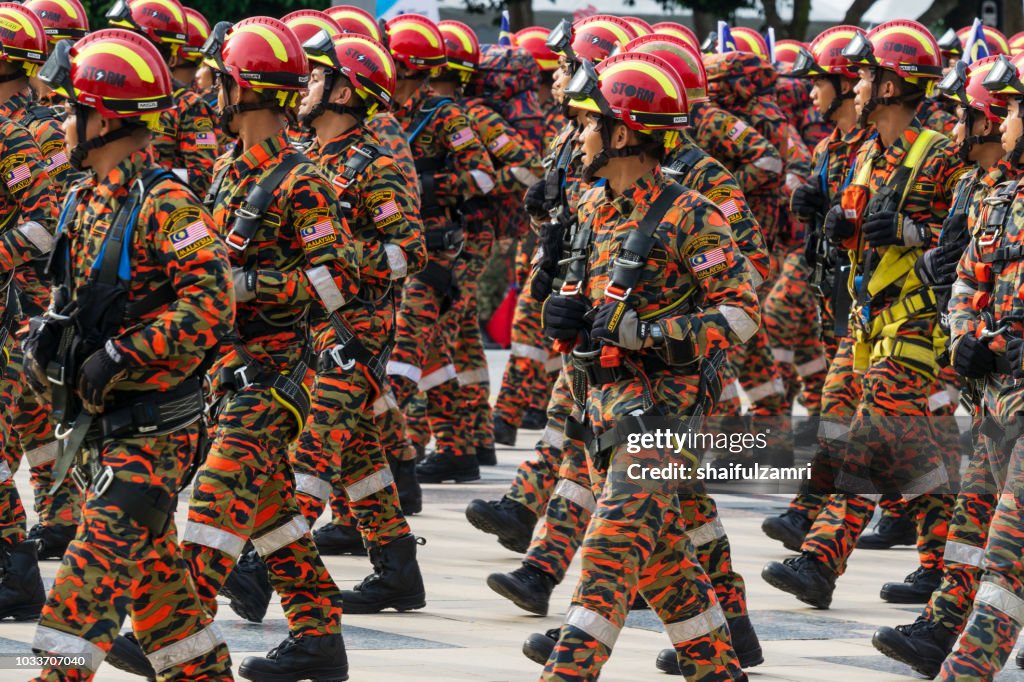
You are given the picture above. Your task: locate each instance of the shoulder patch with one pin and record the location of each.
(16, 172)
(187, 231)
(203, 123)
(315, 228)
(383, 208)
(701, 242)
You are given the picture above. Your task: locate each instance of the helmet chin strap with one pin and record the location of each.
(324, 105)
(1018, 147)
(875, 100)
(82, 149)
(972, 140)
(601, 159)
(837, 101)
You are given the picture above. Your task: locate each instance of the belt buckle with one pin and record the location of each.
(241, 245)
(610, 293)
(335, 353)
(103, 481)
(241, 380)
(59, 380)
(569, 289)
(79, 478)
(988, 238)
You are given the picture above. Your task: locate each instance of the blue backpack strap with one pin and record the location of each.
(428, 116)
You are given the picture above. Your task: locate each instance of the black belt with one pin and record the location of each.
(151, 413)
(444, 238)
(148, 506)
(589, 362)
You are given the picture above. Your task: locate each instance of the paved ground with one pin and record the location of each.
(469, 633)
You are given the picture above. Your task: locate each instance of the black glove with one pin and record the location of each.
(973, 358)
(99, 373)
(563, 317)
(954, 228)
(811, 238)
(533, 201)
(937, 267)
(1015, 357)
(807, 201)
(891, 228)
(540, 284)
(629, 330)
(39, 348)
(837, 226)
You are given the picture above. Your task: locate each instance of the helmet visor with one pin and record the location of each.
(950, 42)
(805, 65)
(584, 87)
(710, 43)
(859, 51)
(120, 13)
(56, 72)
(214, 43)
(321, 48)
(954, 83)
(559, 40)
(1003, 78)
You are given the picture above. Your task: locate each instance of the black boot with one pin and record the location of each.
(922, 645)
(313, 657)
(336, 539)
(805, 432)
(538, 646)
(396, 582)
(126, 654)
(443, 466)
(527, 587)
(21, 588)
(486, 456)
(51, 541)
(789, 528)
(534, 419)
(410, 494)
(916, 588)
(744, 643)
(805, 577)
(889, 532)
(504, 433)
(248, 587)
(510, 521)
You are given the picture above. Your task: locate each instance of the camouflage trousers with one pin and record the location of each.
(246, 490)
(115, 565)
(636, 541)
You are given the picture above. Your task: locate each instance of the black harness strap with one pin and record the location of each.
(249, 215)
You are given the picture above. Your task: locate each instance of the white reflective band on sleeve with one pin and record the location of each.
(5, 472)
(1001, 599)
(830, 430)
(376, 481)
(37, 235)
(782, 354)
(313, 486)
(208, 536)
(329, 293)
(574, 492)
(939, 399)
(384, 403)
(396, 261)
(740, 323)
(793, 181)
(594, 624)
(873, 497)
(962, 288)
(404, 369)
(926, 483)
(769, 163)
(182, 174)
(484, 181)
(473, 377)
(242, 292)
(524, 176)
(553, 364)
(189, 649)
(812, 367)
(730, 390)
(553, 436)
(268, 543)
(63, 644)
(847, 481)
(522, 350)
(756, 279)
(44, 454)
(961, 553)
(698, 626)
(709, 532)
(761, 391)
(437, 377)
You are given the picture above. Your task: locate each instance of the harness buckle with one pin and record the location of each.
(569, 289)
(79, 478)
(991, 333)
(103, 481)
(242, 381)
(612, 291)
(235, 242)
(336, 355)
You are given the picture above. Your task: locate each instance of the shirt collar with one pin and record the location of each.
(340, 143)
(258, 155)
(123, 173)
(638, 192)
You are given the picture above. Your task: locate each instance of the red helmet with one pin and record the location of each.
(262, 53)
(22, 38)
(640, 27)
(462, 48)
(679, 31)
(994, 38)
(355, 20)
(162, 21)
(306, 23)
(198, 32)
(964, 86)
(1016, 43)
(640, 90)
(786, 52)
(118, 73)
(824, 56)
(903, 46)
(363, 61)
(61, 19)
(534, 40)
(597, 36)
(684, 58)
(749, 40)
(416, 42)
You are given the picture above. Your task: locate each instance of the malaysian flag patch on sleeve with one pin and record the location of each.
(708, 263)
(206, 139)
(190, 238)
(461, 138)
(738, 128)
(18, 177)
(319, 233)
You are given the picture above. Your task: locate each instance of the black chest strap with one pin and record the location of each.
(250, 214)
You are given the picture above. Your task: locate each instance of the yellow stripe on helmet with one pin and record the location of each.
(21, 21)
(142, 68)
(460, 33)
(619, 32)
(372, 27)
(68, 8)
(173, 8)
(312, 21)
(909, 32)
(272, 39)
(199, 26)
(651, 70)
(423, 31)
